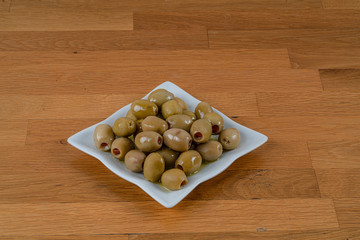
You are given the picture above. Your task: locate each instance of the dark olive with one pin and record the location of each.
(171, 107)
(210, 151)
(169, 156)
(201, 130)
(148, 141)
(143, 108)
(124, 127)
(174, 179)
(229, 138)
(160, 96)
(189, 162)
(152, 123)
(217, 122)
(190, 114)
(103, 137)
(134, 160)
(121, 146)
(177, 139)
(181, 103)
(154, 166)
(202, 109)
(180, 121)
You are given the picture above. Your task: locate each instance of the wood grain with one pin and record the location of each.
(5, 6)
(69, 237)
(225, 216)
(13, 133)
(343, 4)
(348, 212)
(340, 79)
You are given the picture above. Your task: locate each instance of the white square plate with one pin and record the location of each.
(250, 140)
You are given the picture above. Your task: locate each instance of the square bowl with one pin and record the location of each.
(250, 140)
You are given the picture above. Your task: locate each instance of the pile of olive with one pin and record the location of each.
(170, 141)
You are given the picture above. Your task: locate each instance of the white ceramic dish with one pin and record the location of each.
(250, 140)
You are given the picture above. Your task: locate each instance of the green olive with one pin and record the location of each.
(177, 139)
(154, 166)
(121, 146)
(171, 107)
(180, 121)
(160, 96)
(138, 126)
(124, 127)
(201, 130)
(134, 160)
(202, 109)
(130, 115)
(216, 120)
(169, 156)
(190, 114)
(181, 103)
(148, 141)
(189, 161)
(174, 179)
(152, 123)
(143, 108)
(229, 138)
(210, 151)
(103, 137)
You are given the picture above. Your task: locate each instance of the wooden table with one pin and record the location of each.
(289, 69)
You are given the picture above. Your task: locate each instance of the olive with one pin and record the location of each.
(181, 103)
(152, 123)
(169, 156)
(121, 146)
(143, 108)
(124, 127)
(130, 115)
(154, 166)
(134, 160)
(189, 161)
(180, 121)
(160, 96)
(201, 130)
(229, 138)
(177, 139)
(202, 109)
(190, 114)
(171, 107)
(138, 126)
(103, 137)
(148, 141)
(174, 179)
(216, 120)
(210, 151)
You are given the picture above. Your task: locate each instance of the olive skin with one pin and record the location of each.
(124, 127)
(160, 96)
(230, 138)
(201, 109)
(181, 103)
(143, 108)
(134, 160)
(148, 141)
(138, 126)
(121, 146)
(216, 120)
(169, 156)
(201, 130)
(174, 179)
(190, 114)
(177, 139)
(103, 137)
(180, 121)
(152, 123)
(130, 115)
(171, 107)
(189, 162)
(154, 166)
(210, 151)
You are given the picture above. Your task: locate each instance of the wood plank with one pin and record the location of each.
(335, 154)
(13, 133)
(246, 215)
(340, 79)
(102, 40)
(191, 80)
(348, 212)
(343, 4)
(287, 38)
(67, 237)
(323, 58)
(5, 6)
(309, 104)
(57, 19)
(339, 182)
